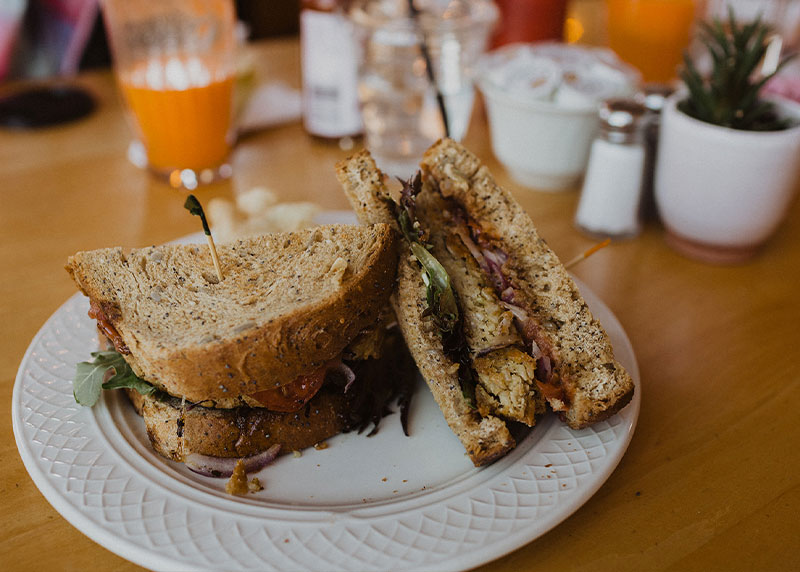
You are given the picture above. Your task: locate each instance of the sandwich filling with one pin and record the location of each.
(495, 372)
(491, 258)
(346, 394)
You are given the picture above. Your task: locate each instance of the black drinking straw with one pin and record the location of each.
(423, 47)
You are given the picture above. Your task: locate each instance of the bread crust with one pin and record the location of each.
(177, 431)
(265, 355)
(177, 427)
(596, 385)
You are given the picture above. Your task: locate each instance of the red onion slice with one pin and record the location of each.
(494, 261)
(462, 233)
(348, 374)
(519, 313)
(497, 257)
(222, 467)
(546, 367)
(501, 343)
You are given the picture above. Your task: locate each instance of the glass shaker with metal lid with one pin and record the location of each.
(612, 189)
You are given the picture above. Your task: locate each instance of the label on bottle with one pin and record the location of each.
(330, 68)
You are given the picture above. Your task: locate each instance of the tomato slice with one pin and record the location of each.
(294, 395)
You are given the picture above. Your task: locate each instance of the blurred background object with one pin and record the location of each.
(270, 19)
(43, 39)
(329, 66)
(529, 21)
(51, 37)
(651, 35)
(175, 65)
(46, 38)
(541, 101)
(415, 79)
(11, 14)
(611, 196)
(782, 15)
(728, 158)
(784, 18)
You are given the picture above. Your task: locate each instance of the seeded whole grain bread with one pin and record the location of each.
(287, 304)
(176, 431)
(484, 438)
(595, 383)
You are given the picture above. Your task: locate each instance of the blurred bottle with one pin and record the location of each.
(529, 21)
(330, 66)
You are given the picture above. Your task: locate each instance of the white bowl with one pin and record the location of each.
(544, 144)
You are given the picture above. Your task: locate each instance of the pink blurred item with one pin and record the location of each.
(49, 38)
(11, 13)
(785, 85)
(64, 29)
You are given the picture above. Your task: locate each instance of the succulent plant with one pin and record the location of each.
(730, 95)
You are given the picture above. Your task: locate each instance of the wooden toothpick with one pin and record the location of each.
(587, 253)
(194, 207)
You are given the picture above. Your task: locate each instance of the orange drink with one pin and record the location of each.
(651, 34)
(185, 128)
(174, 61)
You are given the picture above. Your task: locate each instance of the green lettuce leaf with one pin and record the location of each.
(107, 370)
(441, 298)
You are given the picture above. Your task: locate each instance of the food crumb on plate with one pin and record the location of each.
(237, 484)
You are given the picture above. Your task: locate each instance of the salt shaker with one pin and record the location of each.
(612, 189)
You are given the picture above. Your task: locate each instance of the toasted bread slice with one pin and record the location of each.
(176, 430)
(288, 303)
(484, 438)
(594, 385)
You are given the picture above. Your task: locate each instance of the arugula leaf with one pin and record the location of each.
(440, 295)
(125, 378)
(92, 377)
(194, 207)
(88, 382)
(441, 298)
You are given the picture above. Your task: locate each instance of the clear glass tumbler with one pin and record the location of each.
(399, 103)
(174, 62)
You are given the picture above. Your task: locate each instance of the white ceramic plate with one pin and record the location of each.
(386, 502)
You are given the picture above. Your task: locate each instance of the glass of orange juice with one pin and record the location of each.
(174, 62)
(651, 35)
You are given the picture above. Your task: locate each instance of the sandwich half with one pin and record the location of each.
(292, 346)
(524, 335)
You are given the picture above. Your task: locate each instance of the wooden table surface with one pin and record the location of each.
(711, 478)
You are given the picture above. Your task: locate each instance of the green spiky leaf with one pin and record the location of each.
(730, 94)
